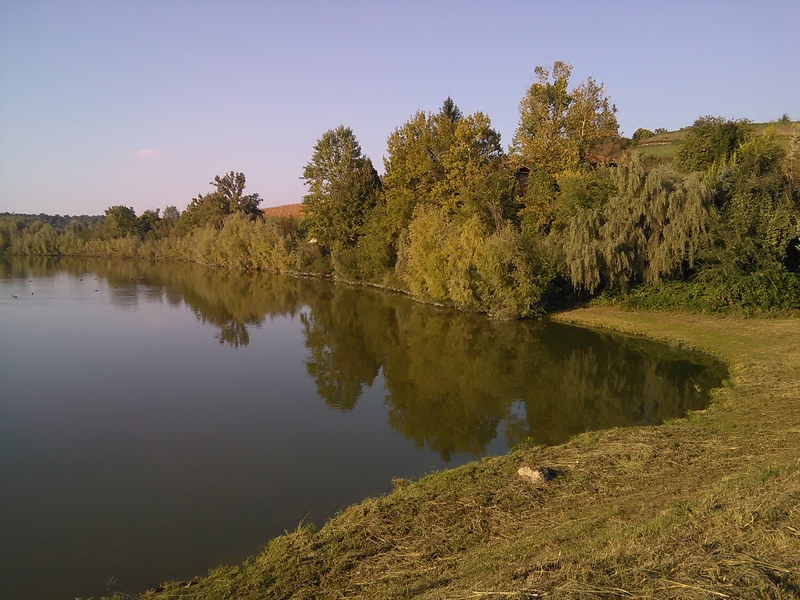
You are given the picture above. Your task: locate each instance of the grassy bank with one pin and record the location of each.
(706, 506)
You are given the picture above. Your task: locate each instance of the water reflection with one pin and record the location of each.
(453, 381)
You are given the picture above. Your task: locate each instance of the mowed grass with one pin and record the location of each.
(707, 506)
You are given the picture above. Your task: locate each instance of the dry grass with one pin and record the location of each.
(702, 507)
(286, 211)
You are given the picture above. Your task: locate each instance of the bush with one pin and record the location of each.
(771, 289)
(642, 134)
(463, 264)
(710, 140)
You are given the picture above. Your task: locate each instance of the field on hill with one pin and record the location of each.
(664, 145)
(285, 211)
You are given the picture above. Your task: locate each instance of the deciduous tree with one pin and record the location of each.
(342, 187)
(447, 160)
(121, 221)
(560, 128)
(212, 208)
(709, 140)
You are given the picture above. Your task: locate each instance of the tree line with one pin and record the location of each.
(569, 212)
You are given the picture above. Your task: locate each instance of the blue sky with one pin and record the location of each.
(142, 103)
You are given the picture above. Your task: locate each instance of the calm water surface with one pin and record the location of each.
(157, 421)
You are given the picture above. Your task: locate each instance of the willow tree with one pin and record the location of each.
(676, 220)
(650, 229)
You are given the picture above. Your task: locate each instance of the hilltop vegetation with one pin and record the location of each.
(707, 218)
(662, 144)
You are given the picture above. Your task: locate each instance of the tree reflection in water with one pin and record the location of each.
(453, 380)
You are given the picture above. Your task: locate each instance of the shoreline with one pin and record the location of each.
(706, 505)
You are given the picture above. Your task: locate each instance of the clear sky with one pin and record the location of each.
(142, 102)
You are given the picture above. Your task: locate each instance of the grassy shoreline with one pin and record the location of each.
(700, 507)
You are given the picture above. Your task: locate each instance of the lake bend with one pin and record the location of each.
(158, 420)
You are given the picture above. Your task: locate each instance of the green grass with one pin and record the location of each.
(702, 507)
(664, 145)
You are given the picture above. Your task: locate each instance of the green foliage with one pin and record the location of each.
(26, 236)
(560, 128)
(642, 134)
(758, 201)
(710, 140)
(663, 215)
(447, 160)
(464, 264)
(581, 190)
(374, 254)
(231, 188)
(211, 209)
(762, 291)
(758, 155)
(149, 222)
(203, 210)
(651, 226)
(791, 165)
(457, 221)
(342, 187)
(168, 222)
(121, 221)
(749, 233)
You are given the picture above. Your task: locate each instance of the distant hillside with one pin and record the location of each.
(664, 145)
(286, 211)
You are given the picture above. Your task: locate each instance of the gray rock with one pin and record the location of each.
(538, 475)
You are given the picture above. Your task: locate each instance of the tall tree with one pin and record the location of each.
(212, 208)
(149, 222)
(342, 186)
(230, 188)
(560, 128)
(448, 160)
(121, 221)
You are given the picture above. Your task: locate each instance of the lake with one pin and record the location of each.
(159, 420)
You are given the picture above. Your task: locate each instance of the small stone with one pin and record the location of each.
(538, 475)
